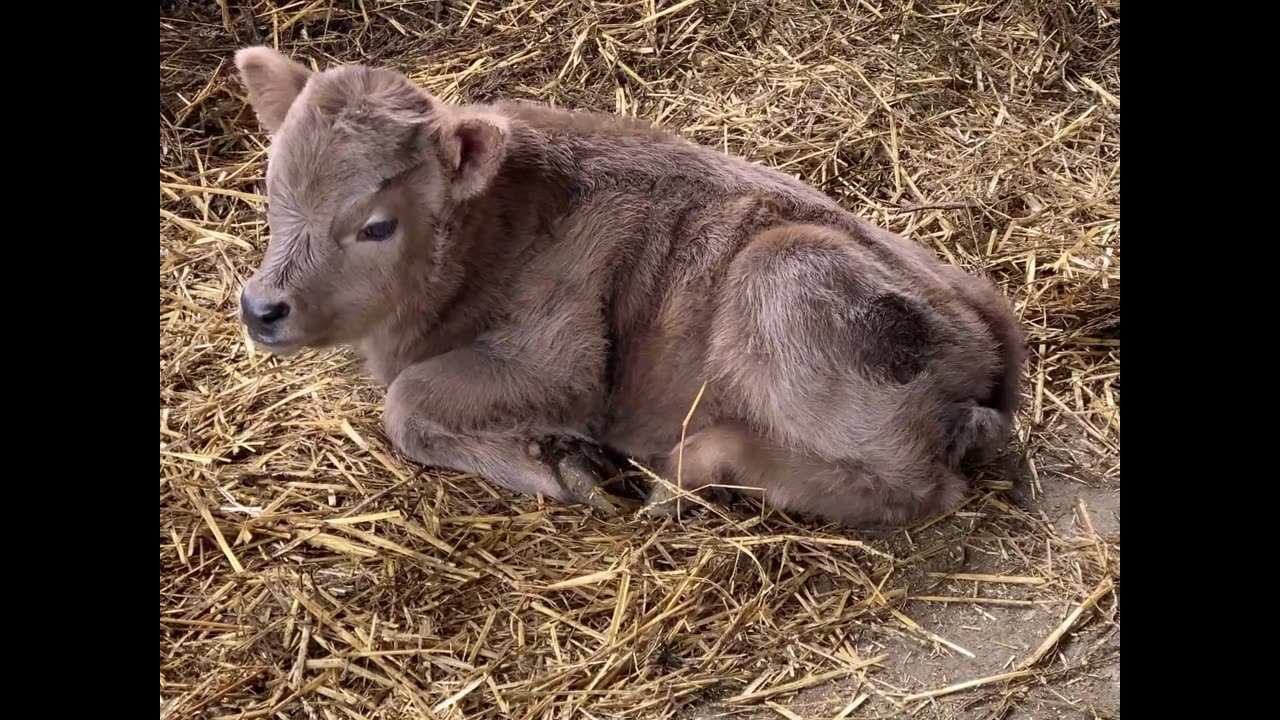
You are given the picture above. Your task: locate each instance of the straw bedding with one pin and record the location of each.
(307, 571)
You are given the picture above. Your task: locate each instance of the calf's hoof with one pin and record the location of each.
(580, 467)
(666, 502)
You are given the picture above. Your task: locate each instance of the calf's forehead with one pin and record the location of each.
(349, 131)
(314, 167)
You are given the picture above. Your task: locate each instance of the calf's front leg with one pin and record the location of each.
(486, 411)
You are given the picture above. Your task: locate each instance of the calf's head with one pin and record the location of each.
(363, 172)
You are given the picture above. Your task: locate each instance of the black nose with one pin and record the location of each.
(261, 316)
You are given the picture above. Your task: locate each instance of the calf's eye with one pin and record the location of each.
(380, 230)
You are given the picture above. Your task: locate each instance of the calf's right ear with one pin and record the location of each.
(273, 81)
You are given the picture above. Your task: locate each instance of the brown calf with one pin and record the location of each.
(513, 273)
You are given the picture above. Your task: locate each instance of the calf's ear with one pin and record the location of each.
(473, 144)
(273, 82)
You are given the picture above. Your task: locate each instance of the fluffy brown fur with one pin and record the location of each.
(512, 272)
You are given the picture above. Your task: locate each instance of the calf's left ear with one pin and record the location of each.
(473, 146)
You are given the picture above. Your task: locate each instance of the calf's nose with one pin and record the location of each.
(262, 316)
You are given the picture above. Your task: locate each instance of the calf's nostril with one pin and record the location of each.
(274, 312)
(261, 315)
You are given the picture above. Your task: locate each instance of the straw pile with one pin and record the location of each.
(307, 571)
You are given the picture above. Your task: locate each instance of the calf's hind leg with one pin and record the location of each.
(830, 362)
(708, 457)
(847, 492)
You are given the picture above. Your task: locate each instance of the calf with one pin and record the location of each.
(530, 283)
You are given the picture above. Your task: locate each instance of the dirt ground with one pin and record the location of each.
(1084, 680)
